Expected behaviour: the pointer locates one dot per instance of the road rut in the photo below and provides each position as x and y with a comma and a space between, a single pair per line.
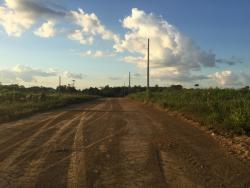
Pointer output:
114, 143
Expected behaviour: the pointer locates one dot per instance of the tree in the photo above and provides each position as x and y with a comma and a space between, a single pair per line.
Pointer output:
196, 85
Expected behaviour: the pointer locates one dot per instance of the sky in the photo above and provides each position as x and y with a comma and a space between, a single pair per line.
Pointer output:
98, 42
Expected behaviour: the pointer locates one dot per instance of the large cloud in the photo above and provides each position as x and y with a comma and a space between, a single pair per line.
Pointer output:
91, 25
227, 78
17, 16
29, 74
24, 73
44, 8
172, 53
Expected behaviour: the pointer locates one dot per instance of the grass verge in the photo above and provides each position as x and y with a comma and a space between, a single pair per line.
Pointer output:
21, 107
221, 109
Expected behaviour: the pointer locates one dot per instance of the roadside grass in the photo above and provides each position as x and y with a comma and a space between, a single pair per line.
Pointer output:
221, 109
22, 104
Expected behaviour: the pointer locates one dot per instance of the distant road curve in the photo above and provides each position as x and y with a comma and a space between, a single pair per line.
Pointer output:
113, 142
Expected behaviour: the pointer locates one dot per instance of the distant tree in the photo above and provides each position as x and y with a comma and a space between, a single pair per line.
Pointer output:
245, 88
196, 85
108, 91
66, 89
177, 87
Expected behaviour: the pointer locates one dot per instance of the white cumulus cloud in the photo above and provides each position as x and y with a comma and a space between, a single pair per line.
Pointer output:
170, 49
47, 30
91, 25
24, 73
78, 35
17, 16
15, 22
29, 74
226, 78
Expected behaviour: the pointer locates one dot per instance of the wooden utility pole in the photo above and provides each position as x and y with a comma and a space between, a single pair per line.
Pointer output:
60, 81
59, 84
129, 82
129, 79
148, 71
124, 89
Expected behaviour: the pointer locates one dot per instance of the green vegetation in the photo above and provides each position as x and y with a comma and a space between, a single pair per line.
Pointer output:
108, 91
216, 108
17, 101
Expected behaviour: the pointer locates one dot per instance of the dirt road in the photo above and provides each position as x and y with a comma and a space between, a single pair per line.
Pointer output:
113, 143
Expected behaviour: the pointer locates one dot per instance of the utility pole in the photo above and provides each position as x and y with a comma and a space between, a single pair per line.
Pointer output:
60, 81
59, 84
124, 89
148, 72
129, 80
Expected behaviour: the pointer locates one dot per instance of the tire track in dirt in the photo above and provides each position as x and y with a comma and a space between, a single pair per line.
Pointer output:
45, 130
47, 156
139, 163
173, 172
68, 156
118, 143
176, 166
20, 135
5, 164
77, 169
11, 165
60, 159
136, 163
189, 157
13, 131
10, 168
27, 131
30, 129
102, 148
32, 172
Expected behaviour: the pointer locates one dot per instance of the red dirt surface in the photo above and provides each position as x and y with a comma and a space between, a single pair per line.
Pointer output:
114, 143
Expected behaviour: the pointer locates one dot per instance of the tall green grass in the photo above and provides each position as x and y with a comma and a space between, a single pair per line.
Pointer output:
20, 104
216, 108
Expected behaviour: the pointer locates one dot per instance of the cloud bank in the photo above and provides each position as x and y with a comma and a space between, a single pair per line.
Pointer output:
17, 16
229, 78
173, 56
29, 74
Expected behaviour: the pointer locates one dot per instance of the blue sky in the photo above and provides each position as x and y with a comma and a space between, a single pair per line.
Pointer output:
193, 41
